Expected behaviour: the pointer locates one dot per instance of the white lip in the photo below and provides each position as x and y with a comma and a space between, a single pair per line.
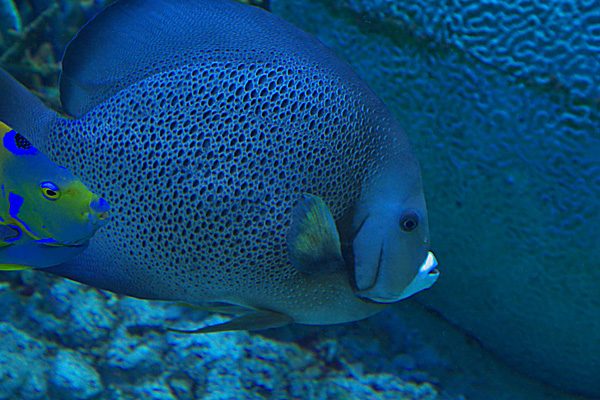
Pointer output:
430, 264
426, 277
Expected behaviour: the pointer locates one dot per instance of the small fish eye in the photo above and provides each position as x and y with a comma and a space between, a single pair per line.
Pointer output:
409, 221
50, 191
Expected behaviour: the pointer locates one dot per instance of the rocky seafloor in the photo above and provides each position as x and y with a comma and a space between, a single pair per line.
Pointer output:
64, 340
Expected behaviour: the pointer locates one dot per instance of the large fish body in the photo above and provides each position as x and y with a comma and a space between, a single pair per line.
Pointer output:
202, 123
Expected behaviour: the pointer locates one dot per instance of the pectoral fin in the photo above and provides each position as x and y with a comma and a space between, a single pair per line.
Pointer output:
252, 321
313, 240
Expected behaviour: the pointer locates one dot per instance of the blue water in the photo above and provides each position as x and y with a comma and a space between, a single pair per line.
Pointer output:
501, 104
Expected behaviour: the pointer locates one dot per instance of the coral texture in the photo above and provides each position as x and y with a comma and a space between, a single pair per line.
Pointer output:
501, 102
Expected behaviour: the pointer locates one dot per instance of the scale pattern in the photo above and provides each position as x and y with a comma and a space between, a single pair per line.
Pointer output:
203, 164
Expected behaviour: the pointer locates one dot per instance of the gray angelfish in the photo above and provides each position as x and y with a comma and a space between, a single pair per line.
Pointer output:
218, 132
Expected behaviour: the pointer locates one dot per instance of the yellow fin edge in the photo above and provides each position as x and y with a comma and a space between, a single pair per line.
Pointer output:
13, 267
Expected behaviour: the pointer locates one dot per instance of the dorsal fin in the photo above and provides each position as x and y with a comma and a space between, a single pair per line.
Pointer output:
131, 40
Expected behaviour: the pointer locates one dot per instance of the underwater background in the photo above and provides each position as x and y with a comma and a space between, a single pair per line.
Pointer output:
501, 102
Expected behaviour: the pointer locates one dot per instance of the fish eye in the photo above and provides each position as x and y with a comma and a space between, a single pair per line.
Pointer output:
409, 221
50, 191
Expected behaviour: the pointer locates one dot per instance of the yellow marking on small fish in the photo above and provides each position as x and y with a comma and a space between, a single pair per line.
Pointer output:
13, 267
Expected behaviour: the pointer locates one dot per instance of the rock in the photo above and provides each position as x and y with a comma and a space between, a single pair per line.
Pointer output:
73, 378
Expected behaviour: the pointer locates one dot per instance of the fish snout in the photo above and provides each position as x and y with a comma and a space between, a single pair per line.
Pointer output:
98, 211
427, 275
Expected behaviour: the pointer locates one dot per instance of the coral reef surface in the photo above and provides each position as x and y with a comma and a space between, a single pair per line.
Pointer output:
501, 102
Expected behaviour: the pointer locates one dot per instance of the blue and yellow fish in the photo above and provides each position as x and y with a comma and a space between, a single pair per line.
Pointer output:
47, 215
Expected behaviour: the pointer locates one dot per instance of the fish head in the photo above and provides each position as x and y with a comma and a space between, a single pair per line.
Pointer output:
391, 248
65, 211
43, 201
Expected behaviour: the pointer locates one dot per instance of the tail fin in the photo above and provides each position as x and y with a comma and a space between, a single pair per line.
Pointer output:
22, 111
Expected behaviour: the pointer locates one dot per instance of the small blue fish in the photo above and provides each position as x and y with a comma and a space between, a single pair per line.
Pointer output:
47, 216
249, 169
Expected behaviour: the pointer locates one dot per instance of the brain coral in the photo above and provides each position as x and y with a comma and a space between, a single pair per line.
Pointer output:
501, 100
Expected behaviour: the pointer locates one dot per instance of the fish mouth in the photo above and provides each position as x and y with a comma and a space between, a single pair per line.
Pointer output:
428, 274
97, 215
98, 211
429, 266
98, 219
